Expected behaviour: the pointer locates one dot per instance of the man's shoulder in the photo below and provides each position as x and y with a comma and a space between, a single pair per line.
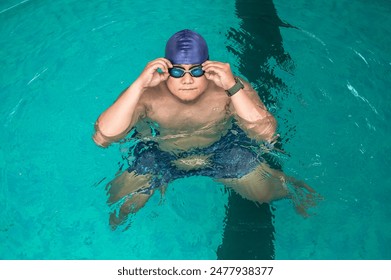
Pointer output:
156, 99
215, 92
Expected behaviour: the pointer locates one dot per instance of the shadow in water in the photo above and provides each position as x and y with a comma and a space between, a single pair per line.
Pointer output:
249, 230
257, 44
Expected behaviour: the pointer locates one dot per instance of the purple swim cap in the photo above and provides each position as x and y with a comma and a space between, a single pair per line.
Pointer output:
186, 47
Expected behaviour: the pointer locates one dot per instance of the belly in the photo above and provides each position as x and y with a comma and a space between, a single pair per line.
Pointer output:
181, 142
179, 139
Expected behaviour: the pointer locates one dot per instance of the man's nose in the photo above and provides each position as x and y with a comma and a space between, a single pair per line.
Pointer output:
187, 78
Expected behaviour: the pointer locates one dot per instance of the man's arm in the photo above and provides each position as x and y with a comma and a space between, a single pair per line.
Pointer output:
251, 113
114, 123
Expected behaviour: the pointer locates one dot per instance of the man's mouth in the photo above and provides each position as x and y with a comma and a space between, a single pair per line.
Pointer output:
188, 88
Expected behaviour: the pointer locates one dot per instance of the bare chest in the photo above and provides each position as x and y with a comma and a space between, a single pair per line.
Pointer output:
189, 117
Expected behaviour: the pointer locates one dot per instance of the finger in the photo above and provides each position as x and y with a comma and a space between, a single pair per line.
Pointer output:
155, 65
161, 60
164, 77
209, 62
215, 64
225, 67
165, 61
208, 75
213, 77
214, 69
169, 64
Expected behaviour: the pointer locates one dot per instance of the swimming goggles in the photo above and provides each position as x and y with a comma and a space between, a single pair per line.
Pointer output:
178, 72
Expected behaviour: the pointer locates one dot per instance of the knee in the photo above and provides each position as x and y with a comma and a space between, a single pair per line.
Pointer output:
256, 194
263, 196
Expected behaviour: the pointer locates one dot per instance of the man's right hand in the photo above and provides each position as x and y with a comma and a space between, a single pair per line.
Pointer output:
150, 77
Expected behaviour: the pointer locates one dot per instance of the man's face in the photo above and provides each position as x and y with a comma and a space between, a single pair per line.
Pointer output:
187, 88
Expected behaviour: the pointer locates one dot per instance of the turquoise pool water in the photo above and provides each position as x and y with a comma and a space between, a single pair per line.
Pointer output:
326, 78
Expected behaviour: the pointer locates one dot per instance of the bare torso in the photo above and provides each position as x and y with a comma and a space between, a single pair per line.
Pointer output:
183, 126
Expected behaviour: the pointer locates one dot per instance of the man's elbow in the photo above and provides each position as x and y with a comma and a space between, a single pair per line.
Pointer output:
273, 126
99, 140
269, 132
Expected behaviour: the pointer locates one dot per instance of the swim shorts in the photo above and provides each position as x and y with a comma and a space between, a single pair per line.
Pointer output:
233, 156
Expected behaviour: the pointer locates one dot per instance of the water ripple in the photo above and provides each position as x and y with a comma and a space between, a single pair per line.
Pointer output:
103, 26
14, 6
361, 56
36, 76
13, 112
355, 93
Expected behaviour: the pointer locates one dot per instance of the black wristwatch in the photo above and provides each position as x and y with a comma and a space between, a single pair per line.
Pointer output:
237, 86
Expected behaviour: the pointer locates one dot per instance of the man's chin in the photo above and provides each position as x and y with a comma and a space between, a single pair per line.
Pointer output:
188, 99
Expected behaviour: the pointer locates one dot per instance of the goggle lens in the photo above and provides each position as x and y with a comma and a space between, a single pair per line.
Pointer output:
177, 72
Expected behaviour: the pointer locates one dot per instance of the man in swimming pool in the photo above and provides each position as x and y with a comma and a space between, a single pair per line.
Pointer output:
191, 102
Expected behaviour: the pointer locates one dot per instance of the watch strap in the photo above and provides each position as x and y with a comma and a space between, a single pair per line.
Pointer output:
237, 86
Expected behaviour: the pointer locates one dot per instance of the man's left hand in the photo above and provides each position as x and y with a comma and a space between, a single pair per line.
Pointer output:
220, 73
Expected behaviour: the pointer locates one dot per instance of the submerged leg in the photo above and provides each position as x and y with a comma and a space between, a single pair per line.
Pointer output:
130, 206
265, 184
125, 184
128, 185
